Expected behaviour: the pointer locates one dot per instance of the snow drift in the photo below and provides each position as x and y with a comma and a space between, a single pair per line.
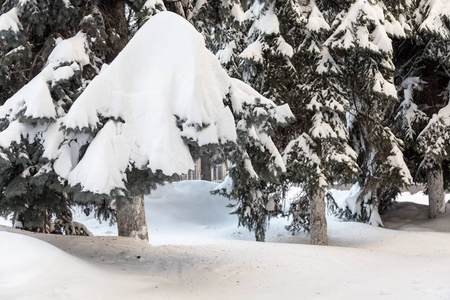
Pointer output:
33, 269
201, 255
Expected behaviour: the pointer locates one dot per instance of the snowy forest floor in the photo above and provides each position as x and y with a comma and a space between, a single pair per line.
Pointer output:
196, 251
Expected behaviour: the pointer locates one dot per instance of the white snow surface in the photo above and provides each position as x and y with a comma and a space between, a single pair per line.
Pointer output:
10, 21
196, 252
268, 22
316, 21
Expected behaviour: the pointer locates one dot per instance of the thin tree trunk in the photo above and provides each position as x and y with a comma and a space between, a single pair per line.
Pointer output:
318, 219
131, 218
436, 197
260, 231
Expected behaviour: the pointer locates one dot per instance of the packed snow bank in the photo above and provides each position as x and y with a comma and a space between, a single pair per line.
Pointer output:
370, 263
33, 269
186, 213
202, 255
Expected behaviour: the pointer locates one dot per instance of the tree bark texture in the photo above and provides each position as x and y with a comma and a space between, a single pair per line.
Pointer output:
436, 196
181, 7
131, 218
318, 219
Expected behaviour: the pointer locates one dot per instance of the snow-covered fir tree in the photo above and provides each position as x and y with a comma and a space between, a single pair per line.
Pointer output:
222, 25
279, 43
28, 121
427, 88
256, 164
250, 47
362, 49
55, 48
320, 155
125, 134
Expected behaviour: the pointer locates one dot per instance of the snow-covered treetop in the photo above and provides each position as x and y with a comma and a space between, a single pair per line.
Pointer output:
434, 16
153, 67
316, 21
164, 88
362, 26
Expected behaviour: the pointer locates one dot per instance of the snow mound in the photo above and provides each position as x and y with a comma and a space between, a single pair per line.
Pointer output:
197, 215
202, 256
33, 269
189, 202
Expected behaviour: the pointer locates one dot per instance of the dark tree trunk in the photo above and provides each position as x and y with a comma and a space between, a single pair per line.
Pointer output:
260, 231
116, 26
131, 218
436, 196
181, 7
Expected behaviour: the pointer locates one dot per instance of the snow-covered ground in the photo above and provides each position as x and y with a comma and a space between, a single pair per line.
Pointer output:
196, 251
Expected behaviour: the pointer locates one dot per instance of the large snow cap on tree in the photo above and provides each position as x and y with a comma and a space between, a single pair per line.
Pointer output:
165, 85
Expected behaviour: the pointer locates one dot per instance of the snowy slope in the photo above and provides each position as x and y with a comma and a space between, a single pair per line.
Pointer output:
196, 252
32, 269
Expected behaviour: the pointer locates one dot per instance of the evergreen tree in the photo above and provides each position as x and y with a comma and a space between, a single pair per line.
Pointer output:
427, 74
222, 25
320, 155
269, 63
54, 77
127, 127
250, 47
362, 49
28, 122
256, 165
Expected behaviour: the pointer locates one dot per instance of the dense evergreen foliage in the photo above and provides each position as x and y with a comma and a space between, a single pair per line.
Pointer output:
351, 72
49, 52
56, 63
